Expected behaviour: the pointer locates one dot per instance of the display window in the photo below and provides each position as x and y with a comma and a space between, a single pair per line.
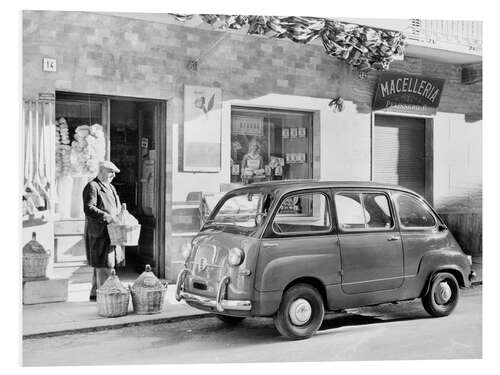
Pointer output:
268, 145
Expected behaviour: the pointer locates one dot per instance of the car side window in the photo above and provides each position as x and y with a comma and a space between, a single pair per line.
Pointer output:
303, 213
363, 211
414, 213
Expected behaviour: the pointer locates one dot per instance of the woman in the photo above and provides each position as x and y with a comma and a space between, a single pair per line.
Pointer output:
252, 165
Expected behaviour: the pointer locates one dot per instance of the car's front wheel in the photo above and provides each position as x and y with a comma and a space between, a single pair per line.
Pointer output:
442, 296
300, 313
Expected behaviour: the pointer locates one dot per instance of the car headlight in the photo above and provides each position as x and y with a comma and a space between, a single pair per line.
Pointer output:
236, 256
186, 249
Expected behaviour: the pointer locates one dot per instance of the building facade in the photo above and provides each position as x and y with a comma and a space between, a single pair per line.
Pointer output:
132, 76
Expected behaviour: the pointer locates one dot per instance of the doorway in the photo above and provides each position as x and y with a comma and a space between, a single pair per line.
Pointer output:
135, 142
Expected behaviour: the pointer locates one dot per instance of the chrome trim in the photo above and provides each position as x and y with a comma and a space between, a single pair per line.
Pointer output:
180, 283
221, 291
219, 303
225, 304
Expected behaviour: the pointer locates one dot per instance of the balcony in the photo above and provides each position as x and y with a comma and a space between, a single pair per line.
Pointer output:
459, 42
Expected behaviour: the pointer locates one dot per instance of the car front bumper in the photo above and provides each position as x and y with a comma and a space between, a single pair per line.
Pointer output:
219, 303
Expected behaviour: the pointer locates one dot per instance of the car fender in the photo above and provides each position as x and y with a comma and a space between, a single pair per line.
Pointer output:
443, 260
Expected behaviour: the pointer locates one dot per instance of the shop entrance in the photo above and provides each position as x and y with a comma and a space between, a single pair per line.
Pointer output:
131, 134
401, 152
133, 149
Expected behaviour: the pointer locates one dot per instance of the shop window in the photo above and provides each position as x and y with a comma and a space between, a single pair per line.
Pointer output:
268, 145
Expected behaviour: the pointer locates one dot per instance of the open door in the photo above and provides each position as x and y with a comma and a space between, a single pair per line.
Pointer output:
148, 213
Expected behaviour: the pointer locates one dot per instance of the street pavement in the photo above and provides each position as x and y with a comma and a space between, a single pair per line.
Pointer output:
400, 331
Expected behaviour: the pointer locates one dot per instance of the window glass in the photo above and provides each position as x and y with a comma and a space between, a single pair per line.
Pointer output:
377, 208
268, 145
301, 213
414, 213
350, 210
363, 210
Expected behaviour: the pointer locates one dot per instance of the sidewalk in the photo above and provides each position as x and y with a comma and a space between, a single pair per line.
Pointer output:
80, 315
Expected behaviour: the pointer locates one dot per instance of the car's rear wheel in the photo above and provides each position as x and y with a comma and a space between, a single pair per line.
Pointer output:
300, 313
231, 320
442, 296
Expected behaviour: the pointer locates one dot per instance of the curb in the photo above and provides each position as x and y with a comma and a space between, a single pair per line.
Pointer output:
114, 326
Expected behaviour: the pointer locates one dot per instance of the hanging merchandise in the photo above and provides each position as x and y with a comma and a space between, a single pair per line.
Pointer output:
87, 150
363, 47
63, 149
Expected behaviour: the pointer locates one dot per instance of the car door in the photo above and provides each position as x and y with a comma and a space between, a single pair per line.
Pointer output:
370, 244
300, 241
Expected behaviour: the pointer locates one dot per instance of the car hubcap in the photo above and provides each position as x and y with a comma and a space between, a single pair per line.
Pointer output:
443, 293
300, 312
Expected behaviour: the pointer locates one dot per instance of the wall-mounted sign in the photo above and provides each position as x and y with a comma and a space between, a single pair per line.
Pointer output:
49, 65
407, 93
202, 128
248, 126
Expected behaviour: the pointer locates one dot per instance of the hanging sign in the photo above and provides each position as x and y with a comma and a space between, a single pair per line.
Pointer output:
402, 92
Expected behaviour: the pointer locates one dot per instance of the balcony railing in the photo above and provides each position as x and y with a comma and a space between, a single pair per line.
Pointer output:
457, 36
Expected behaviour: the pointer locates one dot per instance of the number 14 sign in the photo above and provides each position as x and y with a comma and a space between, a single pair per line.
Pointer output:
49, 65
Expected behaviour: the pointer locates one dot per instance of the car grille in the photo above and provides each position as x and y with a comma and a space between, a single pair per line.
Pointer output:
209, 262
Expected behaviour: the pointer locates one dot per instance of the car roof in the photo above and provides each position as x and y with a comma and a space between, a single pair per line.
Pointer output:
292, 185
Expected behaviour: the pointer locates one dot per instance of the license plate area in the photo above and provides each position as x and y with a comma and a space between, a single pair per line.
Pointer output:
200, 286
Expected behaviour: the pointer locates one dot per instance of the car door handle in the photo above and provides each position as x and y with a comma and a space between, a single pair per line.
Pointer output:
394, 238
270, 244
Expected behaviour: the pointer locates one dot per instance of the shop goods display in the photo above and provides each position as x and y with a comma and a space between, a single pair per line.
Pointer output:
63, 149
360, 46
87, 149
112, 297
35, 259
148, 293
126, 230
36, 186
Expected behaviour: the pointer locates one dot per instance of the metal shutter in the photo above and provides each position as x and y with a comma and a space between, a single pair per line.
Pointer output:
399, 151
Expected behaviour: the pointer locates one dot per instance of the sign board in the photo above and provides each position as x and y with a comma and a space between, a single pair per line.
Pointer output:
248, 126
49, 65
202, 129
402, 92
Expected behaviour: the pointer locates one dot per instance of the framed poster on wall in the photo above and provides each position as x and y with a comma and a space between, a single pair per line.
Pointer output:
202, 129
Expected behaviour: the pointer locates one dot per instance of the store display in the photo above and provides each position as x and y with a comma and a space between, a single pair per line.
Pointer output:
302, 132
87, 150
293, 133
148, 293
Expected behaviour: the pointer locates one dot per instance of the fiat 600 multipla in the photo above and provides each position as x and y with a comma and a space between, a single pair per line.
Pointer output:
293, 250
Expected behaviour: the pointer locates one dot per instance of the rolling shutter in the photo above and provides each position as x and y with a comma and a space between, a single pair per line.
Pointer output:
399, 151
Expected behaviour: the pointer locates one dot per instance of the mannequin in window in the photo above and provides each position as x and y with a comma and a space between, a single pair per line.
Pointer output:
252, 165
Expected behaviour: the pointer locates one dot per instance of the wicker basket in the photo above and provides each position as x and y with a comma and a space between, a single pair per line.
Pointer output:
124, 235
35, 265
148, 293
35, 259
112, 298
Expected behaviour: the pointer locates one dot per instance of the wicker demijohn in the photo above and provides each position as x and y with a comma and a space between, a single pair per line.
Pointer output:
112, 297
35, 259
148, 293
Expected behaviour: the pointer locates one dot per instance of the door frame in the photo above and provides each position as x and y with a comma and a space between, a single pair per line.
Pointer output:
160, 138
428, 148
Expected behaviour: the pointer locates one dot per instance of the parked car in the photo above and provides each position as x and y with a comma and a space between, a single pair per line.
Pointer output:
293, 250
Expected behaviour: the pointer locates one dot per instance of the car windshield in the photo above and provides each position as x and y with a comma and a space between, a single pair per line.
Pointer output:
242, 214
